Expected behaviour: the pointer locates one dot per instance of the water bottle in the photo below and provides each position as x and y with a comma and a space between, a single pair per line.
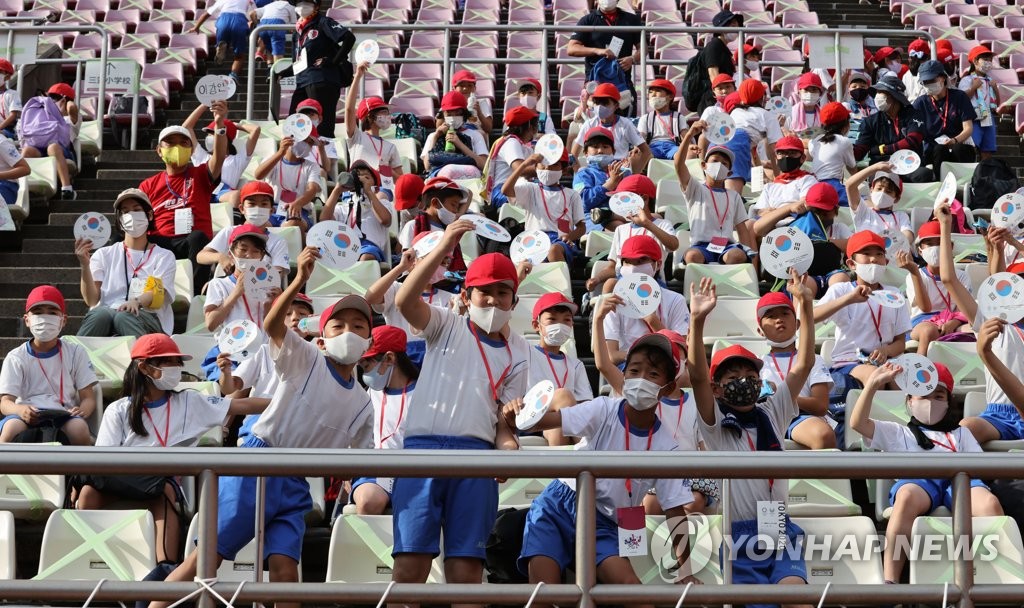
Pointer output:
309, 326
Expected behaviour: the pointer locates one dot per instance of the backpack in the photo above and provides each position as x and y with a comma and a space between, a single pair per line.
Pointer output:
42, 124
407, 125
504, 544
676, 127
695, 83
609, 70
992, 179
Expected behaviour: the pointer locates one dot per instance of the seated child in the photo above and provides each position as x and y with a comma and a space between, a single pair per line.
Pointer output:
256, 201
226, 298
662, 126
549, 206
296, 180
792, 183
933, 312
366, 210
878, 214
601, 175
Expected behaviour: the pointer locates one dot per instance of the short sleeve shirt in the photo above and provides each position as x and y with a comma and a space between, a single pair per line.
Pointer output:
945, 116
864, 326
602, 38
713, 213
38, 378
190, 189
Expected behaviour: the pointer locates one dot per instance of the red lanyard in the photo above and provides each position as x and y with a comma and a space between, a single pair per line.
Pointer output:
650, 329
487, 366
720, 218
896, 126
938, 288
378, 151
398, 423
945, 110
167, 423
650, 437
565, 205
679, 414
178, 197
554, 374
248, 312
60, 356
128, 260
789, 368
885, 221
668, 126
430, 300
750, 442
877, 321
951, 446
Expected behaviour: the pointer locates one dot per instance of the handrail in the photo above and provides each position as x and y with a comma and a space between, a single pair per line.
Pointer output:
545, 61
209, 464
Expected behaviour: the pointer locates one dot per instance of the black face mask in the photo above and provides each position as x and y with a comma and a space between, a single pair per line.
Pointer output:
742, 391
859, 95
788, 164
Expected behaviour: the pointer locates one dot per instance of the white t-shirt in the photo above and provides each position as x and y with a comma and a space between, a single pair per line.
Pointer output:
602, 422
565, 371
623, 130
855, 324
627, 231
759, 125
228, 6
293, 178
183, 416
389, 409
279, 9
505, 152
9, 155
712, 213
1008, 347
680, 416
10, 101
116, 268
938, 296
217, 290
277, 247
914, 87
781, 409
358, 213
889, 226
894, 437
546, 205
1011, 255
392, 316
257, 373
374, 151
37, 378
233, 167
477, 144
668, 126
673, 312
831, 160
776, 370
313, 406
777, 194
454, 394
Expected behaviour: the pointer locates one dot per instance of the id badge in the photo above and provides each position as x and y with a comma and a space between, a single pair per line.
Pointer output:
718, 244
387, 182
632, 523
182, 221
771, 519
757, 179
136, 288
986, 120
300, 64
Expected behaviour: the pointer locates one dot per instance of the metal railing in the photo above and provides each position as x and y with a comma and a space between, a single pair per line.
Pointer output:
545, 61
209, 464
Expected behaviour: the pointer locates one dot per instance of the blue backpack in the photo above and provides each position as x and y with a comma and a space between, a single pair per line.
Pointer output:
609, 70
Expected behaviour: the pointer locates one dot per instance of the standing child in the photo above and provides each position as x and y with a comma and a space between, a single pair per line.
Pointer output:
933, 428
226, 300
256, 201
549, 207
278, 12
366, 210
364, 123
662, 126
37, 387
805, 119
473, 365
232, 31
735, 417
985, 98
832, 151
877, 214
933, 312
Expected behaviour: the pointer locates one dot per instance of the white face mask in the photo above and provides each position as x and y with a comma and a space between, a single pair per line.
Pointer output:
548, 177
301, 149
931, 256
605, 111
628, 269
453, 122
933, 89
346, 348
881, 102
607, 5
557, 334
881, 200
304, 9
871, 273
170, 377
809, 98
446, 216
658, 102
782, 344
210, 142
716, 172
640, 393
383, 121
529, 101
894, 67
134, 223
927, 411
257, 216
984, 66
489, 319
438, 275
44, 328
376, 380
752, 64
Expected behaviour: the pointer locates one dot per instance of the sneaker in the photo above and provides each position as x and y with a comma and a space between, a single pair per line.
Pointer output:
222, 52
68, 195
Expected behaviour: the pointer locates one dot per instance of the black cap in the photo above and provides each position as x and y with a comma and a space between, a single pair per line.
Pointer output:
723, 18
894, 87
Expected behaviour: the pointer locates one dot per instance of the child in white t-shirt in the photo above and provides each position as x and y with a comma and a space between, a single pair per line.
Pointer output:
662, 127
256, 201
12, 167
934, 427
365, 120
296, 180
878, 213
832, 151
278, 12
549, 206
366, 210
791, 184
227, 298
46, 380
933, 312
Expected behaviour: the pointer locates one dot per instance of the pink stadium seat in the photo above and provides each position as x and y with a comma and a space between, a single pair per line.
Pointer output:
566, 17
487, 40
176, 16
404, 5
158, 90
58, 6
144, 6
746, 6
426, 40
149, 43
186, 58
136, 55
1001, 76
790, 55
759, 19
483, 5
435, 15
579, 6
173, 73
526, 15
190, 41
969, 23
1017, 63
476, 52
923, 20
189, 6
100, 6
163, 30
1010, 95
485, 88
1005, 48
80, 17
956, 10
422, 107
1000, 12
11, 7
1014, 23
517, 71
794, 18
702, 16
525, 40
781, 7
570, 87
420, 71
480, 15
483, 71
659, 5
985, 5
910, 10
346, 14
1018, 119
90, 40
417, 88
985, 35
389, 15
962, 46
664, 18
568, 107
679, 55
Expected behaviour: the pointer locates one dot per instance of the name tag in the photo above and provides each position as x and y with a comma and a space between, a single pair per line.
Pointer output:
771, 520
757, 179
632, 522
183, 221
718, 244
300, 64
135, 289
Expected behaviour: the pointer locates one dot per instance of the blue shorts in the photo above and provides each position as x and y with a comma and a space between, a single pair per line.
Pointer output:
714, 258
69, 152
247, 423
984, 137
276, 220
367, 247
360, 481
233, 28
568, 249
1006, 419
497, 198
796, 422
57, 422
551, 529
9, 191
274, 39
840, 189
665, 149
940, 491
740, 147
753, 564
821, 280
287, 502
464, 508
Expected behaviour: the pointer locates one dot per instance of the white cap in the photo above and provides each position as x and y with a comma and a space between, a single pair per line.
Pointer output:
174, 130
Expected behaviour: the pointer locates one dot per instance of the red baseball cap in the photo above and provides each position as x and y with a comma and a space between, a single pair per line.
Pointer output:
353, 302
439, 182
867, 56
256, 188
533, 82
492, 268
770, 300
722, 79
862, 240
884, 52
386, 339
731, 101
408, 190
606, 90
809, 79
310, 104
834, 113
661, 342
945, 376
463, 76
369, 105
519, 115
453, 100
362, 164
64, 90
638, 184
748, 49
661, 83
554, 299
675, 338
640, 246
918, 48
790, 142
6, 67
247, 230
751, 91
45, 294
229, 126
301, 298
928, 230
598, 132
1016, 268
943, 54
978, 51
733, 352
157, 346
822, 196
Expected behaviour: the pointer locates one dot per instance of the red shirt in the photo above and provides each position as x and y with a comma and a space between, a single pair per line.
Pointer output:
192, 189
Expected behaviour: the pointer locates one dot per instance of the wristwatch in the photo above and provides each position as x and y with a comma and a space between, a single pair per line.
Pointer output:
221, 131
